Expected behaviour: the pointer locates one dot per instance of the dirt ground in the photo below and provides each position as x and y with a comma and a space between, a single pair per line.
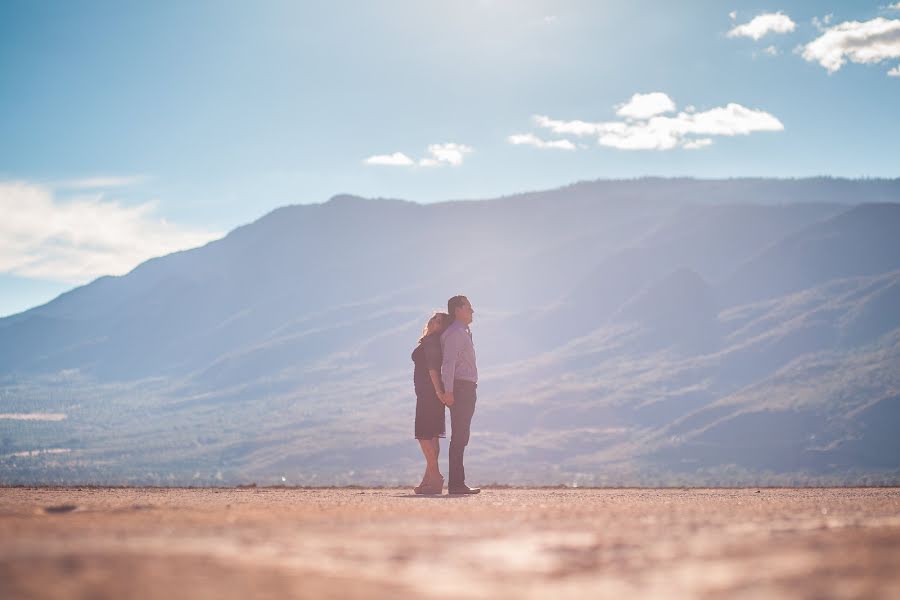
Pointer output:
504, 543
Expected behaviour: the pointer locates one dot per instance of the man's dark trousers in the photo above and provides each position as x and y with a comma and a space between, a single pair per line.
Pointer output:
460, 421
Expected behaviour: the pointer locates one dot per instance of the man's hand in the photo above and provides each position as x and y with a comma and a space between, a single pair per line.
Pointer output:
448, 398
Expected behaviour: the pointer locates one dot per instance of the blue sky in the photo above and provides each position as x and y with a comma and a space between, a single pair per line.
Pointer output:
129, 130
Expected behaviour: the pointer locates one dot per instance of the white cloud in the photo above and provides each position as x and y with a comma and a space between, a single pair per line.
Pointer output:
763, 24
654, 134
567, 127
895, 72
644, 106
894, 6
770, 50
697, 143
529, 139
397, 159
101, 182
732, 119
78, 240
732, 15
440, 154
449, 153
860, 42
687, 129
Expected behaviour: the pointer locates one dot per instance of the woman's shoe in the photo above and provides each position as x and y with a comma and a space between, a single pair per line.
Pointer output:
430, 487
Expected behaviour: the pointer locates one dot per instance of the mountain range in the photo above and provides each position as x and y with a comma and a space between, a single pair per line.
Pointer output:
643, 332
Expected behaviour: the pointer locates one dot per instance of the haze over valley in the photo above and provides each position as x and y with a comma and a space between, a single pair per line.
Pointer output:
640, 332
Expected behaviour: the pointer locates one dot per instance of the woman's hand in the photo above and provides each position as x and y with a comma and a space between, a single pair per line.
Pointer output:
438, 385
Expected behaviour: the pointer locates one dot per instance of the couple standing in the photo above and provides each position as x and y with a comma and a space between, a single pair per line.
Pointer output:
445, 375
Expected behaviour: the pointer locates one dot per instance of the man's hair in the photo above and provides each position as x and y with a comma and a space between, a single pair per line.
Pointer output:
454, 303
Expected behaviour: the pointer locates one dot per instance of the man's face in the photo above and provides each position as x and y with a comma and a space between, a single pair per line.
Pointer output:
464, 313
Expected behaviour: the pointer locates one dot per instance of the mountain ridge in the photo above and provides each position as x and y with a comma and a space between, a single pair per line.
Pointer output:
614, 323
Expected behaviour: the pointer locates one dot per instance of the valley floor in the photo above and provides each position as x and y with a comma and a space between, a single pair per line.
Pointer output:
383, 543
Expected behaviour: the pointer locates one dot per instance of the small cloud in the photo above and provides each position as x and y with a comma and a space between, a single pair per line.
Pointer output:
441, 154
895, 72
859, 42
644, 106
894, 6
697, 144
732, 15
729, 120
764, 24
567, 127
397, 159
450, 153
770, 50
822, 23
529, 139
101, 182
551, 19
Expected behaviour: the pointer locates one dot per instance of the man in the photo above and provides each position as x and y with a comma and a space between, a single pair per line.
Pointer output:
460, 377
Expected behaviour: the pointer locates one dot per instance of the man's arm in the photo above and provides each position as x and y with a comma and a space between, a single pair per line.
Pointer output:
452, 345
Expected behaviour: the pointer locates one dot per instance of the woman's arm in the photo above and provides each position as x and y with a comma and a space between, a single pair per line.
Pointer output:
436, 382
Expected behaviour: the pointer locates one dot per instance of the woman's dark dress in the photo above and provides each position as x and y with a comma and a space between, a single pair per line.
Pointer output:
430, 421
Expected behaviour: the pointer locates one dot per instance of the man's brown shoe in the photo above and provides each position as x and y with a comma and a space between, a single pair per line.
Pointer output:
463, 490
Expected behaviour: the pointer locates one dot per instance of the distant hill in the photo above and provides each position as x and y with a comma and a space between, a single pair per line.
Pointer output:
650, 331
861, 241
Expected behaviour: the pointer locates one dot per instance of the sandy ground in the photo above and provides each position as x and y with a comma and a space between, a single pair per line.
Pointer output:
503, 543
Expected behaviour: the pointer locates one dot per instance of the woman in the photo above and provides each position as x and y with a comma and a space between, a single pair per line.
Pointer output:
429, 401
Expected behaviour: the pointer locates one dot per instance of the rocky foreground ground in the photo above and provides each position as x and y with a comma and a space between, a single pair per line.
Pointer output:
504, 543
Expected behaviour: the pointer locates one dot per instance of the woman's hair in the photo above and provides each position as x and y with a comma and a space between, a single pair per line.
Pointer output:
438, 318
